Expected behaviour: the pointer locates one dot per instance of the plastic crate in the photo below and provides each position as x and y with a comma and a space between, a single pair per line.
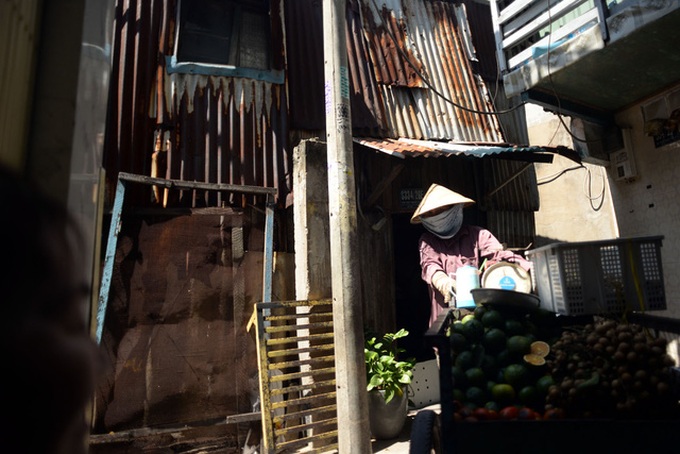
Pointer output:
596, 277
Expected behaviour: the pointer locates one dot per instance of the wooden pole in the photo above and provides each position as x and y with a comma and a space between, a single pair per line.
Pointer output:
352, 398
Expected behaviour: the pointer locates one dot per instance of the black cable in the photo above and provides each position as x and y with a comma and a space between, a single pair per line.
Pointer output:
555, 177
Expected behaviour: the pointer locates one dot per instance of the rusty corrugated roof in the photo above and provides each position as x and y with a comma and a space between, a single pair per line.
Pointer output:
409, 64
404, 148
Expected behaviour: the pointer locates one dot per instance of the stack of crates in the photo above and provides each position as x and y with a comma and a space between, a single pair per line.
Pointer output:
599, 277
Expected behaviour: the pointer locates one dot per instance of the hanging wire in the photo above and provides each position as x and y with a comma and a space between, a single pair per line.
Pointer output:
587, 189
554, 177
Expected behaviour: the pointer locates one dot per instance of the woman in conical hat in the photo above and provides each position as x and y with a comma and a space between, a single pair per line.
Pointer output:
448, 244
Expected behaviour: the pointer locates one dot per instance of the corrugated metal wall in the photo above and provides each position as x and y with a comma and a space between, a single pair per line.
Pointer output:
212, 129
409, 61
408, 65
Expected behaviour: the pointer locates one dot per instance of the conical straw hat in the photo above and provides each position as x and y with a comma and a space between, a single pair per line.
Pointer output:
436, 197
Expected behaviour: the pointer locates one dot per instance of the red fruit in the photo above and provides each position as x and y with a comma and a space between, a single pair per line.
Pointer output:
481, 414
492, 415
466, 412
525, 413
554, 413
510, 412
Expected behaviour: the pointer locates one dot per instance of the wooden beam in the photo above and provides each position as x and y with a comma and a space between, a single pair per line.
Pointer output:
382, 185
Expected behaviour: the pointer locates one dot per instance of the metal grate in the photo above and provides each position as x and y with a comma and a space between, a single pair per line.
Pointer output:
296, 355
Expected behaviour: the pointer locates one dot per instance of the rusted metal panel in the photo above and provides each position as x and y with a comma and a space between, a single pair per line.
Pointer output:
175, 338
454, 104
221, 129
407, 66
403, 148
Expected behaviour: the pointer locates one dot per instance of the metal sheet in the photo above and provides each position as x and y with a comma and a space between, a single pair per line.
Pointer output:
403, 148
408, 66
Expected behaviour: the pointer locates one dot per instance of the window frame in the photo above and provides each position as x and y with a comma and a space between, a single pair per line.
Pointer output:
174, 66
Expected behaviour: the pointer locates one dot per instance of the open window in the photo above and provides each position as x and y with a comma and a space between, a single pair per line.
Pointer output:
225, 37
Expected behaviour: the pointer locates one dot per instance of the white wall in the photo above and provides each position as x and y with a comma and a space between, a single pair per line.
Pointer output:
650, 205
576, 201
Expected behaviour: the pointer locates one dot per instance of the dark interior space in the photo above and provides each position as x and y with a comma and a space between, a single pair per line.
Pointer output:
412, 305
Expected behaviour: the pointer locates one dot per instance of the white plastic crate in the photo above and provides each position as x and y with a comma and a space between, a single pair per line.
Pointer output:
596, 277
425, 384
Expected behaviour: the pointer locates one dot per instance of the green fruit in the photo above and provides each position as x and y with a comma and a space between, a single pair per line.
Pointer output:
519, 345
467, 318
504, 394
475, 395
494, 340
459, 378
513, 327
479, 312
458, 342
503, 358
517, 375
457, 327
473, 330
489, 365
475, 376
528, 396
491, 405
544, 383
464, 360
493, 319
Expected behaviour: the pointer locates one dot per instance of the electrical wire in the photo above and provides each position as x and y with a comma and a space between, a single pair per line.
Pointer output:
587, 189
554, 177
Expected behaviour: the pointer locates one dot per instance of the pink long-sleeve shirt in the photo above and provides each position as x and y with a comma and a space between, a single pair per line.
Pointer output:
470, 246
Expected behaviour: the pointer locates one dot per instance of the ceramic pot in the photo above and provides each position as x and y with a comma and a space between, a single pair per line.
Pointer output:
387, 419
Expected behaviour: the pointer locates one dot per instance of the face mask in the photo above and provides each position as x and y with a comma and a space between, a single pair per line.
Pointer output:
445, 224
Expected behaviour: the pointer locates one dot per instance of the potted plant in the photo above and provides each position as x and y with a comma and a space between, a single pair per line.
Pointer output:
387, 377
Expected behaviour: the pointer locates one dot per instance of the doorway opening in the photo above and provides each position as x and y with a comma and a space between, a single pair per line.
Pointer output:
411, 294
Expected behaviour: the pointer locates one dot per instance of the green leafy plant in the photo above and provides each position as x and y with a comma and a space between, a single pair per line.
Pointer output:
384, 369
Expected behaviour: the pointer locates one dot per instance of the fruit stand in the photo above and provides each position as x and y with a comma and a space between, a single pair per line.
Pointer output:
518, 376
589, 422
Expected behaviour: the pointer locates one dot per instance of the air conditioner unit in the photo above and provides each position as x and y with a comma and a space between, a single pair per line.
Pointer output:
589, 142
622, 161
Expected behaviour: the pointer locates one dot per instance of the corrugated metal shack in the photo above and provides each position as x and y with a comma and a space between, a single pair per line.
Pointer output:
182, 290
